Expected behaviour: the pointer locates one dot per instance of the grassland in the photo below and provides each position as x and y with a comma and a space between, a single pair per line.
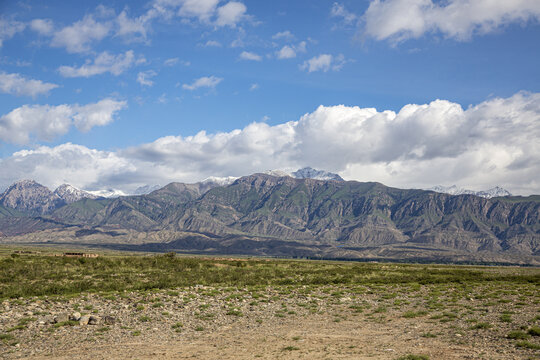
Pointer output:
268, 308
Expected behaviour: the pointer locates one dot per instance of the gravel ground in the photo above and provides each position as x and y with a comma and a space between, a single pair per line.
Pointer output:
327, 322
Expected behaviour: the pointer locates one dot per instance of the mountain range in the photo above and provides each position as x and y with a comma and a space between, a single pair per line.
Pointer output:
265, 214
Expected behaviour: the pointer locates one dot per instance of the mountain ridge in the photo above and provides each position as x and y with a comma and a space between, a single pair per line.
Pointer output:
325, 216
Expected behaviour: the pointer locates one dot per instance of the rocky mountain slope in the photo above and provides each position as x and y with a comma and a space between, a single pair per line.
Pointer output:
281, 215
29, 196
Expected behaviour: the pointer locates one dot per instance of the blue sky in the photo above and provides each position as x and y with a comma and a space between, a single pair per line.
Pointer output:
122, 94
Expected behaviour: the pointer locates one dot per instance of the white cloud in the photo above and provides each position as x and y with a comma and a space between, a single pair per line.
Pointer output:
202, 9
42, 26
20, 86
398, 20
144, 77
246, 55
134, 29
230, 14
324, 62
208, 12
286, 52
104, 62
203, 82
286, 35
254, 87
171, 62
67, 163
492, 143
338, 10
46, 122
290, 51
8, 29
77, 37
212, 43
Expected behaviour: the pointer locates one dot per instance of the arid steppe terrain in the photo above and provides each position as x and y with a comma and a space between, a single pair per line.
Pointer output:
172, 307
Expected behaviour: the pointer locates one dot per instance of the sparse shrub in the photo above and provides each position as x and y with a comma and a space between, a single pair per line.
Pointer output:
414, 357
481, 325
66, 323
517, 335
6, 337
290, 348
534, 331
234, 312
528, 345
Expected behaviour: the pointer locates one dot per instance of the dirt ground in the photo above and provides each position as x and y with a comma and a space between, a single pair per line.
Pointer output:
201, 323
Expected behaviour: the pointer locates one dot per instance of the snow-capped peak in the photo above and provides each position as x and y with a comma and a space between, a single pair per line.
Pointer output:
494, 192
310, 173
454, 190
71, 194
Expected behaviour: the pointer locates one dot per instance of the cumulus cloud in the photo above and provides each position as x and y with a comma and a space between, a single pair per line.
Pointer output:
46, 122
104, 62
205, 11
246, 55
144, 77
203, 82
492, 143
171, 62
76, 38
8, 29
42, 26
19, 85
398, 20
202, 9
134, 29
212, 43
67, 163
290, 51
338, 10
324, 62
286, 35
286, 52
230, 14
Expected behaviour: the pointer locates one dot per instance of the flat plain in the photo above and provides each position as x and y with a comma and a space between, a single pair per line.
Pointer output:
174, 307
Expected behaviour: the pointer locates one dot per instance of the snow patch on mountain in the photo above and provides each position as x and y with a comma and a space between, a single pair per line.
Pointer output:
454, 190
310, 173
71, 194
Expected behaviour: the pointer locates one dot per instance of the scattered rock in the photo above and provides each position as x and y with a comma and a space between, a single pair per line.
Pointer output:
76, 316
109, 320
84, 320
94, 320
63, 317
